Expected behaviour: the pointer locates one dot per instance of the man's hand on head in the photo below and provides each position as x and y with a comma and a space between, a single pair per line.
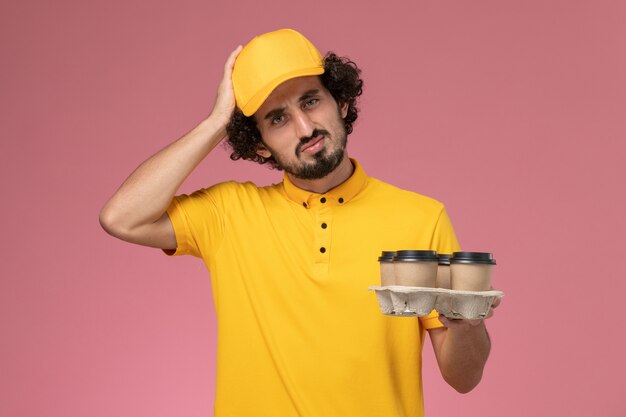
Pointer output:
225, 99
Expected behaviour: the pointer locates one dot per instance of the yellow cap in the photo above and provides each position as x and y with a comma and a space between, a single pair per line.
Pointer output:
268, 61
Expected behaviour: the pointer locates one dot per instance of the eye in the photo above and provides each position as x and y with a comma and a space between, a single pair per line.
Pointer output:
311, 102
277, 119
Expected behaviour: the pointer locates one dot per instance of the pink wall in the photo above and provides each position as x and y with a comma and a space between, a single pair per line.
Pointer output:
512, 113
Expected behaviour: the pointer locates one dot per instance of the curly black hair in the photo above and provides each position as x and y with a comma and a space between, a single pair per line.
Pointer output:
341, 78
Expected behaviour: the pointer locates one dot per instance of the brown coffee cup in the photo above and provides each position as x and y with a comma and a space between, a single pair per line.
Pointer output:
387, 274
416, 268
443, 271
471, 271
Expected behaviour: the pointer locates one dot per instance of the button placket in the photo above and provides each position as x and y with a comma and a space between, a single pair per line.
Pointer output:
322, 233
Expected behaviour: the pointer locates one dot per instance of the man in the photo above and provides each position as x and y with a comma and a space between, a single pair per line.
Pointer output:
298, 334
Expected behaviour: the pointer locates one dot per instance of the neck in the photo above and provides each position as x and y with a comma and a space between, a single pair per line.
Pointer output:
330, 181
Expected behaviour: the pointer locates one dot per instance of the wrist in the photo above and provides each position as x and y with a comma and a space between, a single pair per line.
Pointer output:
213, 127
218, 120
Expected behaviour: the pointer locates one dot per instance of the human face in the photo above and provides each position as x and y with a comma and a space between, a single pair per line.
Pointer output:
302, 127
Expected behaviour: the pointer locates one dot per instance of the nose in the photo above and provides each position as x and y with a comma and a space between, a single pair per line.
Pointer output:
303, 123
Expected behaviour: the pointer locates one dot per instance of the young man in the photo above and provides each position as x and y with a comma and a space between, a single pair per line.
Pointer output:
299, 334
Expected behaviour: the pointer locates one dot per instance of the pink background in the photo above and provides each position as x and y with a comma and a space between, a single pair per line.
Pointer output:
511, 113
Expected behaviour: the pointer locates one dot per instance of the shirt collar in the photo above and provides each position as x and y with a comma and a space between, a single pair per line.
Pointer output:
339, 195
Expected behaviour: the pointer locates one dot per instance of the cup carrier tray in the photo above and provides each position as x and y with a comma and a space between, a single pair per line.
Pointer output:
402, 301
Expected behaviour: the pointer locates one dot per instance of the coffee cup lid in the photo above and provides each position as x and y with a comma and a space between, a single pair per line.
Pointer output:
416, 255
472, 258
444, 259
386, 256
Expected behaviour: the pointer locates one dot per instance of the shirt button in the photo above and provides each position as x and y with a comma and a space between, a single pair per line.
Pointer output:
340, 200
323, 200
322, 249
304, 204
324, 225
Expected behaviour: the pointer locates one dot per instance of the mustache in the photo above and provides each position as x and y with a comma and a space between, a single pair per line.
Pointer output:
306, 139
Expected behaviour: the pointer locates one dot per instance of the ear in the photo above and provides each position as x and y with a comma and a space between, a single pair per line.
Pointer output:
343, 109
261, 150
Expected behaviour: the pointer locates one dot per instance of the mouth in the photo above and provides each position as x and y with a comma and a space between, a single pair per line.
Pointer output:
314, 145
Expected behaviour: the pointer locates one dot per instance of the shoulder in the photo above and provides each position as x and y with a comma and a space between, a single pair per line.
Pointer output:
402, 198
234, 188
230, 192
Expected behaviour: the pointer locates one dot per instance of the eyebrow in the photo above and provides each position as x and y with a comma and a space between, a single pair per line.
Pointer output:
308, 94
274, 113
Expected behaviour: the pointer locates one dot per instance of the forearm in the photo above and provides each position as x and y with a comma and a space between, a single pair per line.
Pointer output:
148, 191
463, 354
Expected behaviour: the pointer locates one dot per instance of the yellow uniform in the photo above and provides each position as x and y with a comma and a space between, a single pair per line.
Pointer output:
299, 334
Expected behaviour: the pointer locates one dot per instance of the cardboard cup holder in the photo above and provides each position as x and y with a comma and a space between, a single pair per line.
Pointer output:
402, 301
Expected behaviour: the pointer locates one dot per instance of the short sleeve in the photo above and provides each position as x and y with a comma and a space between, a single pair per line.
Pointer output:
198, 222
431, 321
444, 238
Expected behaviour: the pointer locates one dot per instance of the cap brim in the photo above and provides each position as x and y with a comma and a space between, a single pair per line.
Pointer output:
257, 101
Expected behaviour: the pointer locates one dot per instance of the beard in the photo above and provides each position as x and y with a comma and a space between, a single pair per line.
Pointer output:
324, 162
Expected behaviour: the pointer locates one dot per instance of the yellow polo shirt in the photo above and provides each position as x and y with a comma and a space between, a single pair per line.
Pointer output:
299, 334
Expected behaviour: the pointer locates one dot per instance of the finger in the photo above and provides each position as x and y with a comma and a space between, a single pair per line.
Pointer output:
226, 83
231, 58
